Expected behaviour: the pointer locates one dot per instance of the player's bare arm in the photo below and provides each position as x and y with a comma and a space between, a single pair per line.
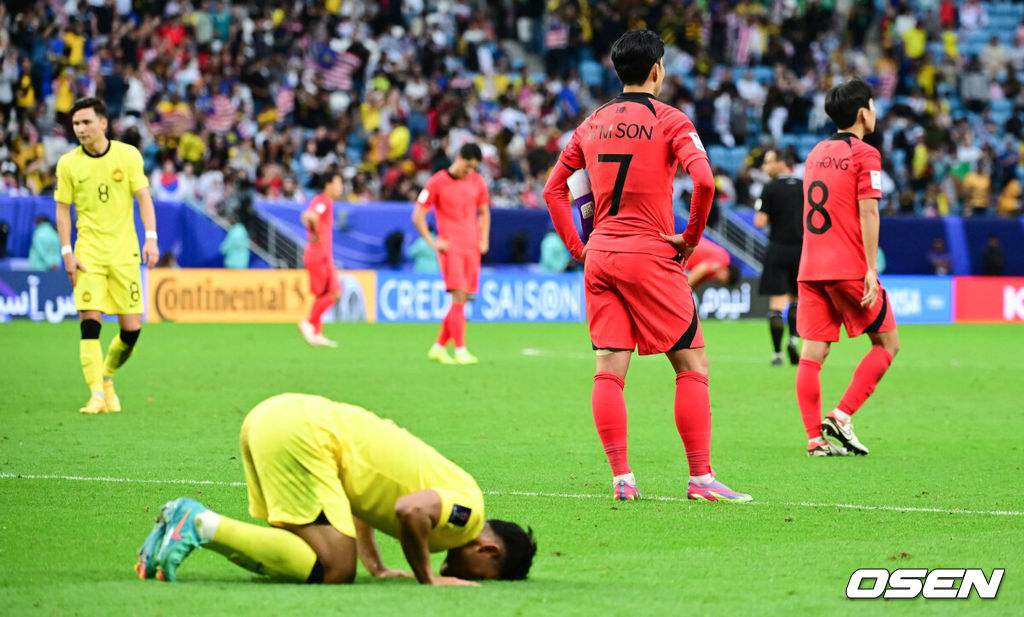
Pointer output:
71, 263
417, 514
309, 221
484, 225
869, 223
369, 554
419, 219
150, 251
761, 220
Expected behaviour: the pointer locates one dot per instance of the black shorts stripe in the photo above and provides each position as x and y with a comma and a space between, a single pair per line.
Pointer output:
877, 323
686, 339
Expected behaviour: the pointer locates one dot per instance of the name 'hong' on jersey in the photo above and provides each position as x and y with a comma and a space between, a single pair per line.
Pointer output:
838, 173
630, 148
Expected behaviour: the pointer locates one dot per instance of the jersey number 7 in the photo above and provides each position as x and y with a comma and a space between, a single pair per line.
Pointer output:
620, 178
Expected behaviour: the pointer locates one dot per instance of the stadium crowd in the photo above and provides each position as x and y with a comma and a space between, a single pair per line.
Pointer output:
223, 97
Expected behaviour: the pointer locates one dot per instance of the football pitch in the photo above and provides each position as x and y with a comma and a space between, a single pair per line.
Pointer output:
942, 487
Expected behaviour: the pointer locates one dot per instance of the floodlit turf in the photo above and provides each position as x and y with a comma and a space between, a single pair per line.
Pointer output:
944, 430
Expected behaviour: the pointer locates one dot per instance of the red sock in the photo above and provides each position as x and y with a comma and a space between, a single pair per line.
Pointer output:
693, 420
319, 308
869, 372
808, 396
610, 419
456, 319
443, 336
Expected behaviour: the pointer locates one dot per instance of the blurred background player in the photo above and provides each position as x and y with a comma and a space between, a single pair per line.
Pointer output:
781, 207
325, 475
461, 204
100, 177
710, 262
637, 294
318, 257
838, 278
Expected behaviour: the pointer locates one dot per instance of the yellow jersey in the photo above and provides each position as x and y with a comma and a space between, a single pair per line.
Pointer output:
379, 462
102, 188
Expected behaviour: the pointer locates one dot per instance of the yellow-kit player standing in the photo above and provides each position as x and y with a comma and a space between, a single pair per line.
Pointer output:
100, 177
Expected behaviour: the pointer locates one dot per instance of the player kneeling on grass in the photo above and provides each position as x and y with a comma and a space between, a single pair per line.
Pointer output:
325, 475
838, 276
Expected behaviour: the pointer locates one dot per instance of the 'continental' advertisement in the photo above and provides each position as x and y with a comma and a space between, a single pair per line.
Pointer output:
252, 296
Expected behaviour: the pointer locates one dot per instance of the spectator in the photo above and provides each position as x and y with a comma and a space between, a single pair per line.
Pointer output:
973, 15
994, 57
977, 191
10, 185
992, 259
44, 253
554, 257
1009, 203
164, 183
939, 258
424, 258
235, 247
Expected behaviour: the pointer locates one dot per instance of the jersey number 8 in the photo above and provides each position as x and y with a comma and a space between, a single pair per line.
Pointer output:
819, 207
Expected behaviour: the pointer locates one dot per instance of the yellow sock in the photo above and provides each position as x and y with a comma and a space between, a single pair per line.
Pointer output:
91, 355
117, 354
264, 550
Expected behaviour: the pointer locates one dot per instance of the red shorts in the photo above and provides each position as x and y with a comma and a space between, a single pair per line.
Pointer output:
460, 269
639, 300
323, 276
823, 305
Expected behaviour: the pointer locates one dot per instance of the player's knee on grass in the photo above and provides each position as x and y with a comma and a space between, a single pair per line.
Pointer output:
90, 329
335, 552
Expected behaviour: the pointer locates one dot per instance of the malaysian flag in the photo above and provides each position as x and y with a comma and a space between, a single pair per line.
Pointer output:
339, 75
221, 115
285, 102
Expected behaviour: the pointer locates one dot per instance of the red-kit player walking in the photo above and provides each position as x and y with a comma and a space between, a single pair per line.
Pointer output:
461, 204
838, 277
318, 257
636, 291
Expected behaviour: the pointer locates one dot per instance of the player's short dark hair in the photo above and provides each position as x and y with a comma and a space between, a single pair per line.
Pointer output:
734, 276
471, 152
843, 101
634, 53
327, 176
520, 547
90, 102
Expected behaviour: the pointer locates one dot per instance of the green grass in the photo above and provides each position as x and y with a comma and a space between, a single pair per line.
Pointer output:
944, 430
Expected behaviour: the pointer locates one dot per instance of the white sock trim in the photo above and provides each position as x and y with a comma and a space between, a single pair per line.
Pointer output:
841, 415
206, 525
626, 477
704, 480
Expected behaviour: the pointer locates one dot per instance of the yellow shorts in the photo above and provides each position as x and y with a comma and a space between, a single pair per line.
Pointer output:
114, 290
291, 470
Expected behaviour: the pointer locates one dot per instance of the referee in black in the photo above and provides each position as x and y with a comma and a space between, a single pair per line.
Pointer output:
781, 208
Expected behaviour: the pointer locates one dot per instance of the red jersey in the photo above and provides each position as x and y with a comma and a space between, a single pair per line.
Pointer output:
707, 252
322, 207
630, 148
838, 173
456, 203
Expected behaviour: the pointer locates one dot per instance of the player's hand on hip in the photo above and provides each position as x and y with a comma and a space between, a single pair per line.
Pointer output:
681, 245
150, 253
441, 245
870, 289
485, 246
72, 266
583, 255
451, 581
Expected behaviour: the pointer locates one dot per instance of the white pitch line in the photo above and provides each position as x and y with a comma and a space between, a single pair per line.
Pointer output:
802, 504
